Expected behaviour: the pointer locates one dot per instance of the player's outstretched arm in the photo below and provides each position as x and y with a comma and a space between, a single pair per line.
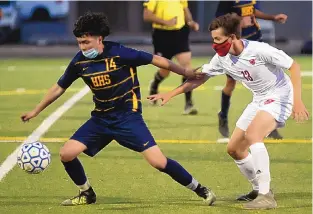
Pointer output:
164, 63
189, 85
189, 20
280, 18
53, 94
279, 58
299, 112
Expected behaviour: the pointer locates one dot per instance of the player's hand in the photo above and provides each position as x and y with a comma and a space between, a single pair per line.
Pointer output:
170, 23
193, 25
299, 112
194, 74
280, 18
164, 97
29, 115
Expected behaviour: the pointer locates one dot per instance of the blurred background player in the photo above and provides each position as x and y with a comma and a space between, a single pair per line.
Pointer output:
171, 21
249, 11
109, 69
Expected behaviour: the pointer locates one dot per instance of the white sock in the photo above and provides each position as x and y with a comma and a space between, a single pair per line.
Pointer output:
193, 185
246, 167
84, 187
262, 166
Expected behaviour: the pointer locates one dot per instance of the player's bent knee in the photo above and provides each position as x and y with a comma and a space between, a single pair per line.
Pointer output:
232, 151
230, 86
228, 91
187, 65
164, 73
71, 150
230, 83
155, 157
65, 156
236, 153
159, 164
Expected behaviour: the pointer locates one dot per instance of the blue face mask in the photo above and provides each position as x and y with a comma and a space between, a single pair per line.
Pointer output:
91, 53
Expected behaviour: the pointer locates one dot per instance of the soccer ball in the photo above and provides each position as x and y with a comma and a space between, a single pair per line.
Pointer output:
33, 157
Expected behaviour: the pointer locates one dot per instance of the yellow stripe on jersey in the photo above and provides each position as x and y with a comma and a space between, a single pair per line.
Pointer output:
117, 97
104, 110
167, 10
99, 60
253, 2
249, 35
135, 100
132, 74
102, 72
128, 100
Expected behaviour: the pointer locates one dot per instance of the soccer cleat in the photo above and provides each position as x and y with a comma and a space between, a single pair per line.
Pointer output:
223, 125
190, 110
249, 197
152, 91
261, 202
275, 135
207, 194
83, 198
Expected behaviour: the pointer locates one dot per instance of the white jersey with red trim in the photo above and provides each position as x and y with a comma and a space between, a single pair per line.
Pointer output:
260, 68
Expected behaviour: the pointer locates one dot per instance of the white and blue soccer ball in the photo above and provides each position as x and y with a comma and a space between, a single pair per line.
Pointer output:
33, 157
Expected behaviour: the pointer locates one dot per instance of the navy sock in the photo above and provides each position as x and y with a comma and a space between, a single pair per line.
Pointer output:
187, 94
177, 172
225, 103
76, 171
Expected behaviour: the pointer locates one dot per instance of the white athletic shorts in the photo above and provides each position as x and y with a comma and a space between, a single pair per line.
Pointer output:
278, 104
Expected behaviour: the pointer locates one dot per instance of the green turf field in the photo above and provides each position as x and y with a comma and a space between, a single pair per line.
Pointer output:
122, 180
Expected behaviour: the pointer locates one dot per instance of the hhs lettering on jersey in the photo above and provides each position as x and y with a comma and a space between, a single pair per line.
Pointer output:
101, 80
104, 79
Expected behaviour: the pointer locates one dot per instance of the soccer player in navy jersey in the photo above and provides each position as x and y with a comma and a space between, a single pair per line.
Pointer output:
109, 69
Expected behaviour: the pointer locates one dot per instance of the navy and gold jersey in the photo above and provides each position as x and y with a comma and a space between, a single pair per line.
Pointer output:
111, 76
244, 9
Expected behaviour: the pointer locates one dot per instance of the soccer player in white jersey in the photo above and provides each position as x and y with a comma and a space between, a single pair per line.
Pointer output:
260, 68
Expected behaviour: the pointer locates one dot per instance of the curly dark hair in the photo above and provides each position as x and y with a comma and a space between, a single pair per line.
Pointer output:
229, 22
93, 24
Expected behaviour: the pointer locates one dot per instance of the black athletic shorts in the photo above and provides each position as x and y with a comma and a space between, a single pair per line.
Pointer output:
168, 43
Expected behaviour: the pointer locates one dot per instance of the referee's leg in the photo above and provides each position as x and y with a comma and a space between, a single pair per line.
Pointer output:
159, 76
162, 41
184, 59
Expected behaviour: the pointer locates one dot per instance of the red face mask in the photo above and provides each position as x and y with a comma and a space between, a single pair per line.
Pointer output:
222, 48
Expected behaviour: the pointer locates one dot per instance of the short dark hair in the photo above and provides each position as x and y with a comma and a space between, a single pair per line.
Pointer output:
93, 24
230, 23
